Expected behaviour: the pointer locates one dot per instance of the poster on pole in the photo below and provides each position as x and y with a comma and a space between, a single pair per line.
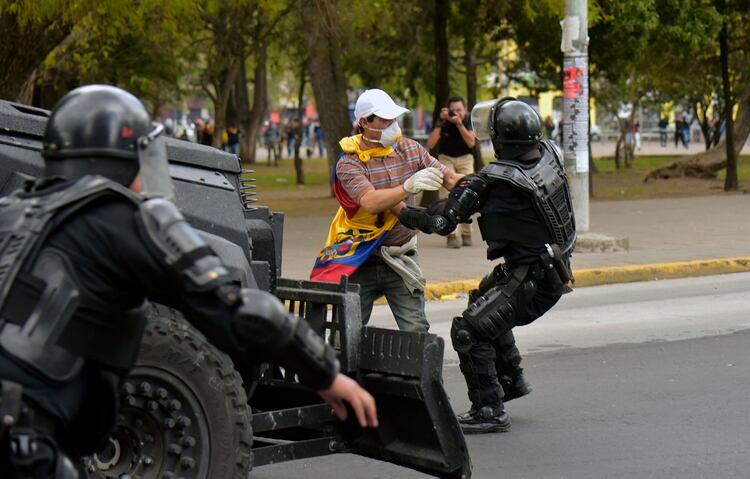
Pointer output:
575, 139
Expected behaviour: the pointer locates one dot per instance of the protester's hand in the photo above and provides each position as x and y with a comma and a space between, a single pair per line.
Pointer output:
346, 390
429, 179
455, 119
443, 114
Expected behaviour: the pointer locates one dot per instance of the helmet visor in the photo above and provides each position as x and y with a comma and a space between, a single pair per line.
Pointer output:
480, 119
152, 159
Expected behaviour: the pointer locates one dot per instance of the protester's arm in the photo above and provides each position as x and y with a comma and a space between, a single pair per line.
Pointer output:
375, 201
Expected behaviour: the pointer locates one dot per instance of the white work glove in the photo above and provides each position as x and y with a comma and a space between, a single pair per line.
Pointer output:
429, 179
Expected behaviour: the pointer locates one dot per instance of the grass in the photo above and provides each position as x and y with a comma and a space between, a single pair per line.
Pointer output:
277, 186
283, 176
627, 183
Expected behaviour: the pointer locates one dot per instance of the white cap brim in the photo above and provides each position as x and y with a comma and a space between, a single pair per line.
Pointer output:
390, 112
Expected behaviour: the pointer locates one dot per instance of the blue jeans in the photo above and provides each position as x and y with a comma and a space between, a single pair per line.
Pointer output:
377, 279
234, 148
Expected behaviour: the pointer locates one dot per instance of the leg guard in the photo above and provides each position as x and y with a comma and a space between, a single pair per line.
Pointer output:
508, 356
495, 312
477, 364
508, 366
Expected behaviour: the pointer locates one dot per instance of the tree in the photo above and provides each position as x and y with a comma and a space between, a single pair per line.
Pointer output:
734, 59
24, 23
268, 19
83, 41
322, 38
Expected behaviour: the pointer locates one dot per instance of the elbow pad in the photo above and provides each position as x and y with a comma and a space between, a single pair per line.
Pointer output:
262, 322
464, 198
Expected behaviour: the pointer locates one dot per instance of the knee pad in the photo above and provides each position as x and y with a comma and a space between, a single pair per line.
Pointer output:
491, 315
460, 336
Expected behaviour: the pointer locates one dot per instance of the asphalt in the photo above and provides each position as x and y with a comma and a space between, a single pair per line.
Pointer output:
668, 238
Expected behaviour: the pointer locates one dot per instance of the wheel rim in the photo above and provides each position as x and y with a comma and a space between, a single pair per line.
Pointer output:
162, 430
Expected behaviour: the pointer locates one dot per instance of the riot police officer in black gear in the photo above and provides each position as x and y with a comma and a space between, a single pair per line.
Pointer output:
80, 252
526, 218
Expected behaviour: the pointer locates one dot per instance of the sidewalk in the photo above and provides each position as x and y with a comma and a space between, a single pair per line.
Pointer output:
661, 232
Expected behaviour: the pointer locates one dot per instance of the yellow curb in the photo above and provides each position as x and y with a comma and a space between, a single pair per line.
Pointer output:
615, 274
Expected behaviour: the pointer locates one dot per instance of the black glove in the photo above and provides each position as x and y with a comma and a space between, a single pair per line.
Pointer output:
418, 218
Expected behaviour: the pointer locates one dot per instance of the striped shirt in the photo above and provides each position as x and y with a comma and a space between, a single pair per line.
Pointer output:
359, 178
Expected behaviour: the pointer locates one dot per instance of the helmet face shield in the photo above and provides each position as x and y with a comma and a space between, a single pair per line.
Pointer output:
154, 168
480, 119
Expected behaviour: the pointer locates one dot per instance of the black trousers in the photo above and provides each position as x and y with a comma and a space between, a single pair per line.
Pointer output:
488, 360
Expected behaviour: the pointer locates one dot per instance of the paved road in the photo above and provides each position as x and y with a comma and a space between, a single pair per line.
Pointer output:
644, 380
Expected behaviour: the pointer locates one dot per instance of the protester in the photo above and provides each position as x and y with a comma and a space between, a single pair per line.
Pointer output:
376, 175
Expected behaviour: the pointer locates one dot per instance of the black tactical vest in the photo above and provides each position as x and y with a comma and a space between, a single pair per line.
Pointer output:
38, 296
546, 183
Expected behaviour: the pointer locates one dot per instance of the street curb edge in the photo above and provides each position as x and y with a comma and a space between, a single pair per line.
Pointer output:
615, 274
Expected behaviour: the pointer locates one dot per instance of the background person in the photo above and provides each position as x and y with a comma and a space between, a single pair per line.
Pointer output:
456, 142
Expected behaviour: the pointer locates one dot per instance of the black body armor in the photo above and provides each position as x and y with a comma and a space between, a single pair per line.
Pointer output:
546, 183
38, 294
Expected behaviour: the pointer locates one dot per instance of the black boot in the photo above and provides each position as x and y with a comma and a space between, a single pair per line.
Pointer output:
484, 419
515, 386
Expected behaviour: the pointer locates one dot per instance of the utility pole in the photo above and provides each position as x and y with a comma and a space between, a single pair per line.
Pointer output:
575, 140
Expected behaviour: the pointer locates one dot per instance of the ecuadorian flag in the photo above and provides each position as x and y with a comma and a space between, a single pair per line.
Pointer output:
352, 237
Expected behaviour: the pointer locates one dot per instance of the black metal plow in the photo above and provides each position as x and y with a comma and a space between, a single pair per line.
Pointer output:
402, 370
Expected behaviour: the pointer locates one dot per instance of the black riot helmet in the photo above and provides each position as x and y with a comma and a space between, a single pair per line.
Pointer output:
104, 130
513, 126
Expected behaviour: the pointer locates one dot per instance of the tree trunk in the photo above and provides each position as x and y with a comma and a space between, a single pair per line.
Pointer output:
699, 105
224, 91
618, 149
630, 148
326, 72
470, 63
442, 80
300, 111
442, 57
251, 118
731, 181
708, 163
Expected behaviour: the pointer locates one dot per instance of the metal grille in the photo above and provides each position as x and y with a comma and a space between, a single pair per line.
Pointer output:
248, 196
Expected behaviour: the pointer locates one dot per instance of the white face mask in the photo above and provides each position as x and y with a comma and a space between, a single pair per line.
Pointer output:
388, 136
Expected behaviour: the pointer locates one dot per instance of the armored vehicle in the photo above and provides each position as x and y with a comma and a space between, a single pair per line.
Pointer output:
188, 411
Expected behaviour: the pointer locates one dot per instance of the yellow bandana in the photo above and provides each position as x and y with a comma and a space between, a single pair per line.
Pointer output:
350, 144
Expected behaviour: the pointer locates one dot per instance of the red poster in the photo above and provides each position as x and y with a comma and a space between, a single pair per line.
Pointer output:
572, 77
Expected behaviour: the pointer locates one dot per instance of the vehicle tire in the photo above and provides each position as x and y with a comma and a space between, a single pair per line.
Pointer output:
183, 410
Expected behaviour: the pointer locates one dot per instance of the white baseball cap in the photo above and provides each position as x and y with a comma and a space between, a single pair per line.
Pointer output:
377, 102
